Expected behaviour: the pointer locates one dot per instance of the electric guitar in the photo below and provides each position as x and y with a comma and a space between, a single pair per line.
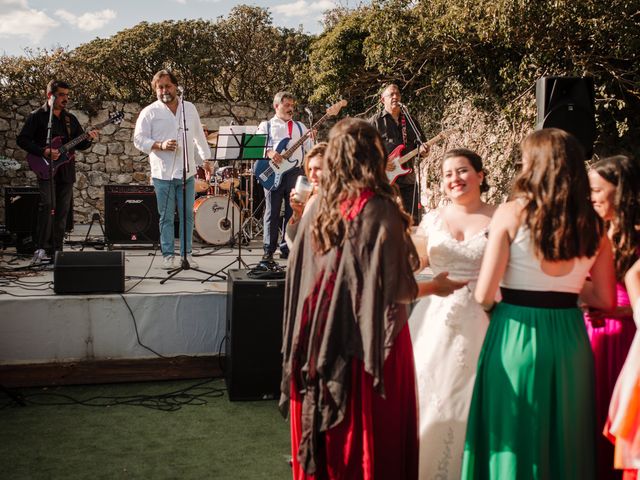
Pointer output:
398, 160
40, 164
268, 174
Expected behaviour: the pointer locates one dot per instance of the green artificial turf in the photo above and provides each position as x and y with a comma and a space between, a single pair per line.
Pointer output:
218, 439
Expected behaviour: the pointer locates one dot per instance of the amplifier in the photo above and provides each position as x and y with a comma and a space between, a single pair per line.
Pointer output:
131, 214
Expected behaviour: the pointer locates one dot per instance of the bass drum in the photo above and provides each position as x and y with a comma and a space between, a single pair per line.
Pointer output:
212, 219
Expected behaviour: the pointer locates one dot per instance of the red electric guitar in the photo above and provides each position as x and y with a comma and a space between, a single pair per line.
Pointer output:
398, 160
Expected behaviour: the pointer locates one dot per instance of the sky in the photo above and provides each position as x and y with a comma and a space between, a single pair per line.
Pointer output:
49, 24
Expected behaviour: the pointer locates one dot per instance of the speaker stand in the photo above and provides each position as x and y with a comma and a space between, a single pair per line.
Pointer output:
95, 217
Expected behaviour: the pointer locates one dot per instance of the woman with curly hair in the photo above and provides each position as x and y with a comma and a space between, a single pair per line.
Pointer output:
348, 373
614, 194
532, 412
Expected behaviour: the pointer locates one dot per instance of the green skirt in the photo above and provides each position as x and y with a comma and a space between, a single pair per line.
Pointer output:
532, 413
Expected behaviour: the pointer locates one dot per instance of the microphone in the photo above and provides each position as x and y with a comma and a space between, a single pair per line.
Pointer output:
180, 89
308, 110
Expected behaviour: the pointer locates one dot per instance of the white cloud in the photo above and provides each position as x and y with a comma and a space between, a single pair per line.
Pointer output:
87, 21
302, 8
23, 21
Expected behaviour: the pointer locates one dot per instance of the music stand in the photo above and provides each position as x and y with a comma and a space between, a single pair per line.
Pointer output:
238, 146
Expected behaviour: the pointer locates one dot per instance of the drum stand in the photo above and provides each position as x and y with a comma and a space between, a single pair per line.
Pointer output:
251, 227
235, 236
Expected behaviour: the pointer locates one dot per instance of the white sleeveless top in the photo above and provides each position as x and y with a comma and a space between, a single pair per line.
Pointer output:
524, 271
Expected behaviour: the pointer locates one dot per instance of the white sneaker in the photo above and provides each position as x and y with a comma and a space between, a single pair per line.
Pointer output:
167, 262
192, 262
40, 257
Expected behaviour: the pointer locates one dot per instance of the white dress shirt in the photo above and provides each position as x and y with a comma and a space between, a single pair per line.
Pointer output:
157, 123
279, 130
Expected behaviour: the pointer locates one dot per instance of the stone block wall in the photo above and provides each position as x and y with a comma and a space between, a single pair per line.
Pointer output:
113, 159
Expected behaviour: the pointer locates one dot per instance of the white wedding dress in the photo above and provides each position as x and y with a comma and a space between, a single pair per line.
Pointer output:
447, 335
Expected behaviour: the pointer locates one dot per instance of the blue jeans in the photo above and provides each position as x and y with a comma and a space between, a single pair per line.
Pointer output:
169, 194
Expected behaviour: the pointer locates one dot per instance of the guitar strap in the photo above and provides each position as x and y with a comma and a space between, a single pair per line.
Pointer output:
67, 123
403, 125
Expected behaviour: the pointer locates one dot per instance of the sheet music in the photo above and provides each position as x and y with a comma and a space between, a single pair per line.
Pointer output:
230, 140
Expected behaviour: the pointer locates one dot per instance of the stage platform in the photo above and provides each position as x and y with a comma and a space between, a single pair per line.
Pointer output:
152, 331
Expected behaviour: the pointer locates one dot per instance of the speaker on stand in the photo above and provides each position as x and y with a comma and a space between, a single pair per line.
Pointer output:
568, 103
131, 215
254, 330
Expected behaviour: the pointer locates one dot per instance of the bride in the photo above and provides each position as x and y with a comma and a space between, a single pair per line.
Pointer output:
448, 332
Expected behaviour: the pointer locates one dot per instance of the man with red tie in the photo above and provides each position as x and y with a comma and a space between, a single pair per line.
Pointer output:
281, 126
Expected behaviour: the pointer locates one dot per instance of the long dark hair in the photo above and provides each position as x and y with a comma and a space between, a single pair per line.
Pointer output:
355, 160
555, 189
623, 173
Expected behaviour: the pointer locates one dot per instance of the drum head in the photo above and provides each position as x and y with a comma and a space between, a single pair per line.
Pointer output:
214, 217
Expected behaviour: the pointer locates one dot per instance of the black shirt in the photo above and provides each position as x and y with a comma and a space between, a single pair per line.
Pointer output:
391, 133
33, 137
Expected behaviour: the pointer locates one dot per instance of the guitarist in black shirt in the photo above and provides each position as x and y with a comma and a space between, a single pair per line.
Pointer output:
395, 130
33, 139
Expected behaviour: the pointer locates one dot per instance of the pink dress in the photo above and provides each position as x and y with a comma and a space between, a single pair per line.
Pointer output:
623, 425
610, 344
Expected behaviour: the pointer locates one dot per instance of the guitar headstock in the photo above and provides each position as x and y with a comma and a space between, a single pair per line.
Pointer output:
336, 107
116, 117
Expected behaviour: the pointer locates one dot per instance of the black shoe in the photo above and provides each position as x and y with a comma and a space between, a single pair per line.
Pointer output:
267, 257
284, 255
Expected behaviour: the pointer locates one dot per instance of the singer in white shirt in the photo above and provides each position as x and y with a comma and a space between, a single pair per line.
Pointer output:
158, 133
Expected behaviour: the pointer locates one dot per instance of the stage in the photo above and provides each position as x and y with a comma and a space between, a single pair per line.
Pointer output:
151, 331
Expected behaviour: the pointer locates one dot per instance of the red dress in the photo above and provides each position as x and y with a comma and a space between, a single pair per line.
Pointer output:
348, 374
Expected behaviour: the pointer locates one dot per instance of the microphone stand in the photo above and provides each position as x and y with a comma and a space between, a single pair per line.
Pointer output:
184, 263
52, 183
414, 127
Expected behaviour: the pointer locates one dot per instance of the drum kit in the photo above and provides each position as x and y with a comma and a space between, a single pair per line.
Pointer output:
224, 206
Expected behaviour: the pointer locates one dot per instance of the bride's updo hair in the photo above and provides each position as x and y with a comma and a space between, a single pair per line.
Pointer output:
474, 159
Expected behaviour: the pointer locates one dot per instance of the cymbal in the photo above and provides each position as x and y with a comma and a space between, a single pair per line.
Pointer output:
212, 138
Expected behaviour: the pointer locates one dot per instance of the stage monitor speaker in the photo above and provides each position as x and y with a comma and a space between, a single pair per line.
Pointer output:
88, 272
568, 103
131, 214
254, 332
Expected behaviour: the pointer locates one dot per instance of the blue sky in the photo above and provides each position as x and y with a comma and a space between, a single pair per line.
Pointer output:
46, 24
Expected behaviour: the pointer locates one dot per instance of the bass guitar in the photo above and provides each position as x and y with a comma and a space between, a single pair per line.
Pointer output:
399, 160
40, 165
268, 173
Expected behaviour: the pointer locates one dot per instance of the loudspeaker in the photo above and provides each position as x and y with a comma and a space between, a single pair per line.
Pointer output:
568, 103
88, 272
254, 332
21, 209
21, 216
131, 214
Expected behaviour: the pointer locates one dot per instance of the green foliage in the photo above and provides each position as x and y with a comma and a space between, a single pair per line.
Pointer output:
242, 57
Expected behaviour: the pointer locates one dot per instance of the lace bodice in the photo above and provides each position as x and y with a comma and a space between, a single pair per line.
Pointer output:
461, 259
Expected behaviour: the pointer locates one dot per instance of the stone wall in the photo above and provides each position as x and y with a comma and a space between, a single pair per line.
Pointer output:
113, 159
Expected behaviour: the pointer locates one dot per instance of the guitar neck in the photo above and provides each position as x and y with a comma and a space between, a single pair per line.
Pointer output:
405, 158
69, 145
304, 137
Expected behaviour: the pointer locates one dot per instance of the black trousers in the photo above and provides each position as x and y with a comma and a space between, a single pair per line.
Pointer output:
411, 200
47, 222
273, 222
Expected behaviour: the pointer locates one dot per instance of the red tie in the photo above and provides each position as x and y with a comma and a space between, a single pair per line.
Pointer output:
290, 127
